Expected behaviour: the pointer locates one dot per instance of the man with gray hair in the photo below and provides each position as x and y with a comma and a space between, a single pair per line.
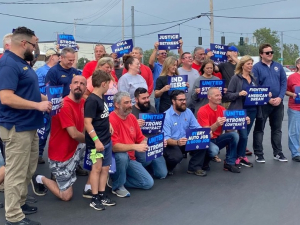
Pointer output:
145, 71
127, 139
6, 43
199, 57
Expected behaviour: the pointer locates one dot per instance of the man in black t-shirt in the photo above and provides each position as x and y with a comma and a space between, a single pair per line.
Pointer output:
142, 105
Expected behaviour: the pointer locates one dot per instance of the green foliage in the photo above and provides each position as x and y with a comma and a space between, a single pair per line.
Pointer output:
81, 63
290, 54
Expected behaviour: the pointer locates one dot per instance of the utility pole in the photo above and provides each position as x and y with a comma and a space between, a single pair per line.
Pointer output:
132, 25
211, 5
122, 19
281, 48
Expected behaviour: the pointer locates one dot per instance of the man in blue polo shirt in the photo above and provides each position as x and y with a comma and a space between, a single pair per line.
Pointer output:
51, 60
178, 119
21, 108
63, 72
271, 74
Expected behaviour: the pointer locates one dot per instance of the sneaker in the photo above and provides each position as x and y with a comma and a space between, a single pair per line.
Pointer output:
231, 168
97, 204
27, 209
87, 194
24, 221
238, 163
296, 158
38, 189
80, 171
109, 182
105, 200
245, 162
280, 157
260, 159
248, 152
201, 173
41, 160
121, 192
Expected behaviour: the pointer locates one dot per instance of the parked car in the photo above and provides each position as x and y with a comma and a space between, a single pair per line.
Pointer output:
291, 68
288, 72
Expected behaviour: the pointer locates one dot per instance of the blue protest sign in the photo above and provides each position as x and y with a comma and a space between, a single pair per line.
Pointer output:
297, 91
219, 53
66, 40
197, 139
207, 84
168, 41
110, 102
257, 96
123, 47
41, 131
155, 147
87, 163
153, 122
54, 94
178, 83
235, 120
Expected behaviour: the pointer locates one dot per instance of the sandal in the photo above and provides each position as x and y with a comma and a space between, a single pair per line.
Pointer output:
217, 159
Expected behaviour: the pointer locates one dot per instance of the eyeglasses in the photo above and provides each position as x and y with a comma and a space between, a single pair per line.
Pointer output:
33, 45
188, 57
163, 53
268, 53
181, 100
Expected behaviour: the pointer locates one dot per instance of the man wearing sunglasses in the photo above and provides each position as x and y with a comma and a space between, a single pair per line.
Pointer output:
271, 74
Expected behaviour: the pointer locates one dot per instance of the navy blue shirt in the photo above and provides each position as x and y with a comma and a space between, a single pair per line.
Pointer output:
57, 75
17, 75
273, 77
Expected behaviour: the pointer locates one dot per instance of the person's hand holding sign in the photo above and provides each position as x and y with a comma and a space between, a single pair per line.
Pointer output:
165, 143
166, 88
243, 93
248, 120
141, 147
44, 106
187, 84
221, 121
294, 95
270, 94
156, 44
141, 122
197, 90
181, 141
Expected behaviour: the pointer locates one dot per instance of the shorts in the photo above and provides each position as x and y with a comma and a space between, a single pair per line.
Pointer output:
65, 172
106, 155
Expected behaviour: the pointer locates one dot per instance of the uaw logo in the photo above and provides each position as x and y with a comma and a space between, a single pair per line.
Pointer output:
276, 68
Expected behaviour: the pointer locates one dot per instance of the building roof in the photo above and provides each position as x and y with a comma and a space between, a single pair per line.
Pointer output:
84, 42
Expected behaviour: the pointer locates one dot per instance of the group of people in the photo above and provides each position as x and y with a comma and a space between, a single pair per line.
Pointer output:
85, 127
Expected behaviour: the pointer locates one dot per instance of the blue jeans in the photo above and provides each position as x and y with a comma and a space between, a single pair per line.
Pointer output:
294, 131
157, 166
243, 140
130, 173
157, 102
228, 139
43, 141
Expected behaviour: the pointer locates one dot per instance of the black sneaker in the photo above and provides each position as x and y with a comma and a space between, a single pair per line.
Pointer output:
24, 221
201, 173
260, 159
231, 168
80, 171
27, 209
97, 204
107, 201
41, 160
280, 157
87, 194
296, 158
38, 189
245, 162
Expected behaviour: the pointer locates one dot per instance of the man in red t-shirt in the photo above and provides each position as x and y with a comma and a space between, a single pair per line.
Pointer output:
66, 143
145, 71
90, 67
211, 115
127, 138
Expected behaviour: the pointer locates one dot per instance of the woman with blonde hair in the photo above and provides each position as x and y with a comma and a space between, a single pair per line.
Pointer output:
236, 94
162, 88
105, 64
293, 111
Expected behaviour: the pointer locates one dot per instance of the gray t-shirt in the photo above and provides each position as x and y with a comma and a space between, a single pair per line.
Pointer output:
130, 83
192, 76
199, 102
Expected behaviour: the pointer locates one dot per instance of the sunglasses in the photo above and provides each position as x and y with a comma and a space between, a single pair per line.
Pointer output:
163, 53
33, 45
268, 53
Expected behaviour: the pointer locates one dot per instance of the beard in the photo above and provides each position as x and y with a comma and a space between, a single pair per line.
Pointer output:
78, 95
143, 107
28, 56
181, 108
125, 111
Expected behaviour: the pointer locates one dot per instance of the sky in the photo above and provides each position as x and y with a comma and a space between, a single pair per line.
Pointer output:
109, 13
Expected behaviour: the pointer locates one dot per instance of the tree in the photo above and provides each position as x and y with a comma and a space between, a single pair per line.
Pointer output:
290, 53
147, 54
81, 63
246, 49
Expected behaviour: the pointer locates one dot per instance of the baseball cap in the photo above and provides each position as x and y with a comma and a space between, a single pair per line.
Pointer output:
233, 49
50, 52
207, 50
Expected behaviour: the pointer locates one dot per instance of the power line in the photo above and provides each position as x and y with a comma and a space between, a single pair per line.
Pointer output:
95, 13
256, 18
41, 3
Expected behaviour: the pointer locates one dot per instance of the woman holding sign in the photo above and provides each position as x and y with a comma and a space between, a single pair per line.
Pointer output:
293, 90
162, 88
236, 94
